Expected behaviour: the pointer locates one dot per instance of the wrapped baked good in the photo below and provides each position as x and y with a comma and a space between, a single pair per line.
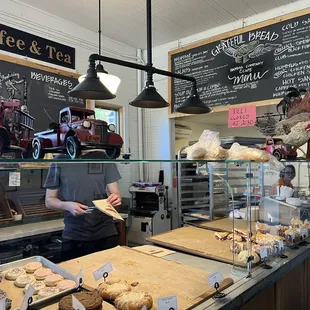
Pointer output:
239, 152
296, 223
234, 237
262, 228
221, 235
292, 236
243, 257
281, 230
237, 247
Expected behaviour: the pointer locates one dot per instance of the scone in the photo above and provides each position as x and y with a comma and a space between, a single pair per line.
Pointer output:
53, 279
38, 285
22, 281
243, 257
66, 284
133, 301
109, 290
32, 267
14, 273
47, 291
42, 273
90, 301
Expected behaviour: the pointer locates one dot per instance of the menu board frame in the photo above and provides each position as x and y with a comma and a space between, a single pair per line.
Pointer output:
224, 36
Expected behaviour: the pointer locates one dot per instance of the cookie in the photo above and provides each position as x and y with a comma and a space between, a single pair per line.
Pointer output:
14, 273
133, 301
41, 273
38, 285
32, 267
22, 281
47, 291
66, 284
90, 301
109, 290
53, 279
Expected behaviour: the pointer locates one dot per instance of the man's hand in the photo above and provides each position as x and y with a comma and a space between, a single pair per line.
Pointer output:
76, 208
114, 200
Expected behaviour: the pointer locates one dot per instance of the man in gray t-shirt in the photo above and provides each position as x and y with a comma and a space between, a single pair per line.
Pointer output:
72, 188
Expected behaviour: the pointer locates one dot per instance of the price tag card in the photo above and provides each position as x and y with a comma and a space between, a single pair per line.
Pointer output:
270, 218
76, 304
2, 304
144, 308
14, 179
242, 116
28, 294
79, 278
167, 303
281, 245
215, 277
263, 252
105, 269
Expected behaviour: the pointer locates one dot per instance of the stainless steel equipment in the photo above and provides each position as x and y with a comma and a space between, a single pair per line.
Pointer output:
148, 213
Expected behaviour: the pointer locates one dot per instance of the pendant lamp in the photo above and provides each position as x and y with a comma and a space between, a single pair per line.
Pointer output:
111, 82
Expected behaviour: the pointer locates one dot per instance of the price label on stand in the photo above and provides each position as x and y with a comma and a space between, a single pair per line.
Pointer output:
2, 304
144, 308
270, 218
14, 179
281, 245
76, 304
263, 252
167, 303
103, 271
215, 277
27, 298
79, 278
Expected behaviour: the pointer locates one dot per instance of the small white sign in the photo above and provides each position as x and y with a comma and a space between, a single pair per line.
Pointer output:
79, 278
263, 252
167, 303
14, 179
28, 294
270, 218
144, 308
76, 304
105, 269
215, 277
281, 246
2, 304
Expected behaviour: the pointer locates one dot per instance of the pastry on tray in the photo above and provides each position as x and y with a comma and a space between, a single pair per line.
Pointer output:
47, 291
234, 237
237, 247
262, 227
221, 235
41, 273
53, 279
243, 257
38, 285
133, 301
242, 233
23, 280
296, 223
32, 267
14, 273
66, 284
282, 229
109, 290
90, 301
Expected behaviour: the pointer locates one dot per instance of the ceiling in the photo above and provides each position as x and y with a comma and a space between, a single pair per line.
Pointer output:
124, 20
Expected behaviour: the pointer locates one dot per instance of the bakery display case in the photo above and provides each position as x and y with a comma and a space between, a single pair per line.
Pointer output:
231, 241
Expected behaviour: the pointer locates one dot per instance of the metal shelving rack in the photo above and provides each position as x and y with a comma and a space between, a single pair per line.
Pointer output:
203, 188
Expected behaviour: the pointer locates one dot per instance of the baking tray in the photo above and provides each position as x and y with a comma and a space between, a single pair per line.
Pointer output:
38, 304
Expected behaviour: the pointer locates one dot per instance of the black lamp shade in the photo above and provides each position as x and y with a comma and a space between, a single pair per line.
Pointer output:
91, 88
149, 98
193, 105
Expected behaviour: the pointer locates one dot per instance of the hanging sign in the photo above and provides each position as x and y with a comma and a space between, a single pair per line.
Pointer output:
22, 43
242, 116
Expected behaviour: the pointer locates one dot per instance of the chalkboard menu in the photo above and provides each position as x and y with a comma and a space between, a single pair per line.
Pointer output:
45, 90
253, 64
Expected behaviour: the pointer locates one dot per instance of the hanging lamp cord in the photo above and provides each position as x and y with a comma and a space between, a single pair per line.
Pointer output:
99, 28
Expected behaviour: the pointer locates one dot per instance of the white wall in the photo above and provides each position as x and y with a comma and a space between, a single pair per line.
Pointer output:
29, 19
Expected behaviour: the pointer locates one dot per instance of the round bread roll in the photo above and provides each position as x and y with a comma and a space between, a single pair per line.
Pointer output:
47, 291
42, 273
90, 301
243, 255
22, 281
32, 267
133, 301
53, 279
109, 290
38, 285
66, 284
14, 273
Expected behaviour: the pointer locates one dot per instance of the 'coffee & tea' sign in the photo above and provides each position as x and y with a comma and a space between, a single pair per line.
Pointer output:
25, 44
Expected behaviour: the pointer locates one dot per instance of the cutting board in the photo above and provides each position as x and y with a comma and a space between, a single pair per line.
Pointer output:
226, 224
155, 275
153, 250
197, 241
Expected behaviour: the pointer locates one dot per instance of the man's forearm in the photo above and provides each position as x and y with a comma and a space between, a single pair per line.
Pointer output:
57, 204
